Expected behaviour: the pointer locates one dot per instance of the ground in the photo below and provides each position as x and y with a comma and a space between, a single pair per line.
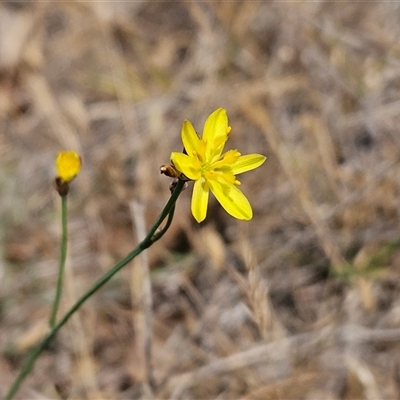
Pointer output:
302, 301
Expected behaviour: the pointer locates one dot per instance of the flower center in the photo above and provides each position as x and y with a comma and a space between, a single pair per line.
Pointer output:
220, 169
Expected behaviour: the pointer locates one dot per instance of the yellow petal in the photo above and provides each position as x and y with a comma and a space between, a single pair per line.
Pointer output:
186, 165
215, 133
232, 200
247, 163
190, 140
200, 199
68, 165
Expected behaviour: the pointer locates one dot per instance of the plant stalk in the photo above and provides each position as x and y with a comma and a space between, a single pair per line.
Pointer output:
63, 257
151, 237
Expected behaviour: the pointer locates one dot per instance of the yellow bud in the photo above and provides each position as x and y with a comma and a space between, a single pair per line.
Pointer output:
68, 165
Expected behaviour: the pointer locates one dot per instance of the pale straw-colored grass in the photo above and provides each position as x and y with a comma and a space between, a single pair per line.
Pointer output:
300, 302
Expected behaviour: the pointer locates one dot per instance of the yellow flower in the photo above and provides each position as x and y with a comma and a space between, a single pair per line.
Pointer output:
68, 165
205, 164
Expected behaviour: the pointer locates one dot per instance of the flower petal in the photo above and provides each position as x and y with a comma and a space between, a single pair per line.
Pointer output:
190, 140
247, 163
200, 199
186, 165
215, 133
232, 200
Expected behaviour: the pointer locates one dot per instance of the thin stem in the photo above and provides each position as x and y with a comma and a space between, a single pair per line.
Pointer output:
161, 232
144, 244
63, 257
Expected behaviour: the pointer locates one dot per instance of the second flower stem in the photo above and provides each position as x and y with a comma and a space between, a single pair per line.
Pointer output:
63, 257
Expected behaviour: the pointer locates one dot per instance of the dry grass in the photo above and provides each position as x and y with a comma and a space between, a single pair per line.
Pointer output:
301, 302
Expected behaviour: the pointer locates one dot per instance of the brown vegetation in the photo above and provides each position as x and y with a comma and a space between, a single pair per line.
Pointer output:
303, 301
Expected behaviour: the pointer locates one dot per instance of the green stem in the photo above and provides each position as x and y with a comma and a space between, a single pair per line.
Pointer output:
161, 232
151, 237
63, 257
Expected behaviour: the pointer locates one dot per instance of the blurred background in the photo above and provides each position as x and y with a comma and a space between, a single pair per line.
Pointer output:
302, 302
